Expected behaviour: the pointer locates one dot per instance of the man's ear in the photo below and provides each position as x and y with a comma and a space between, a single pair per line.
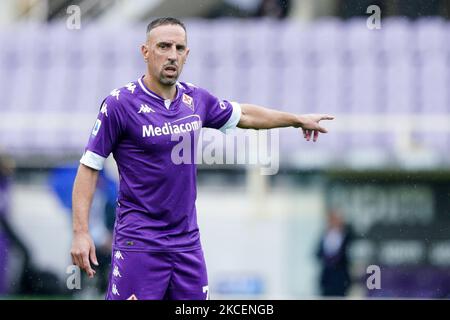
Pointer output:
144, 51
187, 54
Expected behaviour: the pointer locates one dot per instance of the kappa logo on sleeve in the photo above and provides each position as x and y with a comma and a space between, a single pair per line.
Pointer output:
97, 126
115, 93
131, 86
188, 101
104, 109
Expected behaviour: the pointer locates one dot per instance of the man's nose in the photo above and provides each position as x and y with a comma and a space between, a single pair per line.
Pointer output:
172, 54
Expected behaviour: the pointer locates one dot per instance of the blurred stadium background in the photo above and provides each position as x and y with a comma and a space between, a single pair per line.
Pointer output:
384, 166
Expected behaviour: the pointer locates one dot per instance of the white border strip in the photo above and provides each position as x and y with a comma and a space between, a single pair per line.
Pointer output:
234, 118
92, 160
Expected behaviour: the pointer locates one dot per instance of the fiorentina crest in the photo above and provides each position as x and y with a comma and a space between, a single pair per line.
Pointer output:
188, 101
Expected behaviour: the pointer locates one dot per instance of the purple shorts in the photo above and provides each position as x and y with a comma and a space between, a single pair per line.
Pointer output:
158, 276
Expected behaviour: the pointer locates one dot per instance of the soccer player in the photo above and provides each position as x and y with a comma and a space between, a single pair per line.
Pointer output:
157, 252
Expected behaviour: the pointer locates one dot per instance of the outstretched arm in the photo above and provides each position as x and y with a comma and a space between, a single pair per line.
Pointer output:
256, 117
83, 248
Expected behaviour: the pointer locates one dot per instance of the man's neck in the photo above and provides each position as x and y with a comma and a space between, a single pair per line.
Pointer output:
165, 92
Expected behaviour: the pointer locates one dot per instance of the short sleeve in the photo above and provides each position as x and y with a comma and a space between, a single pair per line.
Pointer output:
221, 114
107, 131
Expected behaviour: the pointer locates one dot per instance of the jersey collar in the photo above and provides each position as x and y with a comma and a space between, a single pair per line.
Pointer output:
166, 102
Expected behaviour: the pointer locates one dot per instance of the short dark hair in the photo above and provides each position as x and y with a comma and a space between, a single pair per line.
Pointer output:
164, 21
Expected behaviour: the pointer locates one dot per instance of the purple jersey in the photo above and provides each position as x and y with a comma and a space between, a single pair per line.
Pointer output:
156, 204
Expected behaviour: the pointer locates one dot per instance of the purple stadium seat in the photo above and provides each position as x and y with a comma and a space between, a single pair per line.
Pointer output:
327, 66
431, 36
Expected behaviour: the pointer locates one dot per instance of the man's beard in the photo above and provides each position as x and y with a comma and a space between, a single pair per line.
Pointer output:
168, 81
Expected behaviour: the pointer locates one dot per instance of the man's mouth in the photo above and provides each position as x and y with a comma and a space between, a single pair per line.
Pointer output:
170, 69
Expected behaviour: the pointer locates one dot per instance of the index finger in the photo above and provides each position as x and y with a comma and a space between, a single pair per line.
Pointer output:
327, 117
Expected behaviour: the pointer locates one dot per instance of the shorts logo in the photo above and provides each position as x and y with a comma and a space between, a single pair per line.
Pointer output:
104, 109
118, 255
114, 290
206, 290
188, 101
116, 272
97, 125
132, 297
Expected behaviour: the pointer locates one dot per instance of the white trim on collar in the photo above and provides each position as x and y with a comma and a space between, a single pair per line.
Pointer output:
146, 91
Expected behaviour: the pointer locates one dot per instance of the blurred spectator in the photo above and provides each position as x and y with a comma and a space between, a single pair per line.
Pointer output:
333, 255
